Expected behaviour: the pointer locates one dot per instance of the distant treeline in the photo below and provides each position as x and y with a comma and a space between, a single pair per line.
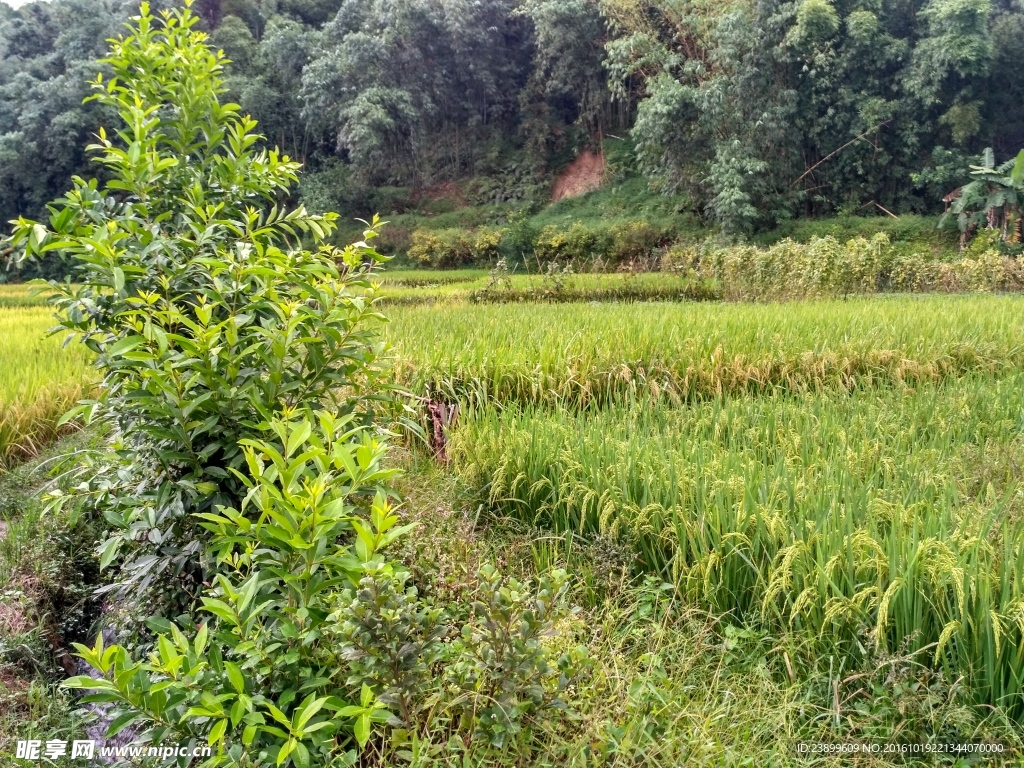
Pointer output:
756, 111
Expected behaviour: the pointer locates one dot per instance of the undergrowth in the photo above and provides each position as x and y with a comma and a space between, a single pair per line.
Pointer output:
49, 571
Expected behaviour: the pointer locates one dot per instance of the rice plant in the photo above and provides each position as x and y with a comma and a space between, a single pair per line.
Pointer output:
411, 278
595, 354
474, 286
21, 295
888, 518
39, 380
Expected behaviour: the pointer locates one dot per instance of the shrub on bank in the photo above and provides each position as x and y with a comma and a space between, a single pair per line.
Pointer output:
599, 247
454, 248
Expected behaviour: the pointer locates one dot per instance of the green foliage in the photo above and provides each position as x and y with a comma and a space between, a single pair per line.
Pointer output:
364, 85
455, 248
825, 267
597, 245
816, 22
993, 199
754, 114
502, 666
207, 321
493, 681
260, 677
765, 112
47, 53
907, 232
577, 243
390, 639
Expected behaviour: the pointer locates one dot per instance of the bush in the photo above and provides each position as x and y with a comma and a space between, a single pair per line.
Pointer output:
299, 531
454, 248
519, 239
205, 329
601, 246
635, 241
577, 244
919, 231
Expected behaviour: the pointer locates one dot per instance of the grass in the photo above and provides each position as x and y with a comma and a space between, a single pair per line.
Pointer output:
49, 570
595, 354
39, 380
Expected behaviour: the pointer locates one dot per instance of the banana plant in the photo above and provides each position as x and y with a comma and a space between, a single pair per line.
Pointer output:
994, 197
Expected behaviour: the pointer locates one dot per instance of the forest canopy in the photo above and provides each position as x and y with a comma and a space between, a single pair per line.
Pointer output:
753, 111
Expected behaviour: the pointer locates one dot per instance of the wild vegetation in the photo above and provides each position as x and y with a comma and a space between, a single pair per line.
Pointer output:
668, 473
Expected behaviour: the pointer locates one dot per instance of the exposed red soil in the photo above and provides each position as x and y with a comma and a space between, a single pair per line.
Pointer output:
584, 174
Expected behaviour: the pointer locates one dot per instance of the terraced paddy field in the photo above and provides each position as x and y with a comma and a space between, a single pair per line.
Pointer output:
477, 286
603, 354
845, 471
40, 379
841, 476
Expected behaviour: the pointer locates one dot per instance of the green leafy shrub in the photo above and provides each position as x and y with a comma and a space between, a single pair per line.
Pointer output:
635, 241
208, 322
520, 238
389, 638
260, 676
578, 243
601, 246
243, 383
492, 680
230, 683
503, 669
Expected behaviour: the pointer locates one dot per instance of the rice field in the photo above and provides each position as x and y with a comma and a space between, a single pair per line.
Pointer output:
476, 286
411, 278
39, 380
848, 470
600, 354
20, 295
884, 513
845, 470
